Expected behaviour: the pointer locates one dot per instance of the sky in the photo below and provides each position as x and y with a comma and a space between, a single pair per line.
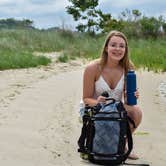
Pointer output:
52, 13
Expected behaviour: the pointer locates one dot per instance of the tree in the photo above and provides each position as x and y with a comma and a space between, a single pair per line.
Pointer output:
136, 14
130, 19
164, 27
84, 10
90, 18
13, 23
150, 26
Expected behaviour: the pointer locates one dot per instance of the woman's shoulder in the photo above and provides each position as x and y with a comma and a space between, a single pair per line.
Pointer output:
93, 69
93, 65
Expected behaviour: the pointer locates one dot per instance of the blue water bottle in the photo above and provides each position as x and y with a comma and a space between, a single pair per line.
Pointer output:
131, 87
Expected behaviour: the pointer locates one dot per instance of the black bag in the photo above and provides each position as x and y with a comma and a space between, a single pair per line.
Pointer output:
105, 133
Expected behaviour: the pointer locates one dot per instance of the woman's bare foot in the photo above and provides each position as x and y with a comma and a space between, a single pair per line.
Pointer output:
133, 156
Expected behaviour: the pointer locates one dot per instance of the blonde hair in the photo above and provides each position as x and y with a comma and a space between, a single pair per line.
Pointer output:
124, 62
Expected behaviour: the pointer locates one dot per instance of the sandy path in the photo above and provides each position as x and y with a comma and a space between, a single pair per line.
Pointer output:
38, 126
39, 119
151, 143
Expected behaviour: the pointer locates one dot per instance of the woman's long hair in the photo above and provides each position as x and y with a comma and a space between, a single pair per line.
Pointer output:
124, 62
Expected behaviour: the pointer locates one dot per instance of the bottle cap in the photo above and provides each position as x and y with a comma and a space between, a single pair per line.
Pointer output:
131, 71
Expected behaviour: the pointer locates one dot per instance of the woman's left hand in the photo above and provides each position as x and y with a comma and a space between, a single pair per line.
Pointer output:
137, 93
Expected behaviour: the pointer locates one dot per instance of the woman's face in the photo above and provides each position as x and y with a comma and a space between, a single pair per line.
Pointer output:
116, 48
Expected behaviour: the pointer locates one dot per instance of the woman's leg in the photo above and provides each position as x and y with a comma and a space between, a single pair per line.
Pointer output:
135, 113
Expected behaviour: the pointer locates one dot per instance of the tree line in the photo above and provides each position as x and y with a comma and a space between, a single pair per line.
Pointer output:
93, 21
132, 22
11, 23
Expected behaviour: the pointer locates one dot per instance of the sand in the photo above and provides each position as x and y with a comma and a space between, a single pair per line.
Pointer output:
39, 120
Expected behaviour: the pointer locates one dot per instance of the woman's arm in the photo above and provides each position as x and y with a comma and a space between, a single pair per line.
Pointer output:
89, 79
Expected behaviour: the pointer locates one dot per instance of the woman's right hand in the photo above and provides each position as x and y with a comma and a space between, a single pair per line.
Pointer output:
101, 99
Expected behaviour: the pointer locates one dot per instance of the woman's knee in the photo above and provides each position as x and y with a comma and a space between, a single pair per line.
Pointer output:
136, 114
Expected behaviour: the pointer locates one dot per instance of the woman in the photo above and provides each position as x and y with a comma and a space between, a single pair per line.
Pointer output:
108, 73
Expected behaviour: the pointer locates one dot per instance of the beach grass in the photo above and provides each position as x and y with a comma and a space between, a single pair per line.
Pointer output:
141, 133
13, 60
18, 46
149, 54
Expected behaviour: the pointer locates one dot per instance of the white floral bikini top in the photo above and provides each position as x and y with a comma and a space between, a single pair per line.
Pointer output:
116, 93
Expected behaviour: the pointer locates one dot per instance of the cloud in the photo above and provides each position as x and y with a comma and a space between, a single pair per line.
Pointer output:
39, 1
43, 13
146, 7
4, 2
47, 13
131, 3
32, 8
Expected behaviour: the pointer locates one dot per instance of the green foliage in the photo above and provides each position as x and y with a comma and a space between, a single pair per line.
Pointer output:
149, 54
91, 19
11, 23
150, 26
130, 15
131, 22
76, 14
63, 58
17, 47
112, 24
12, 60
164, 27
136, 13
136, 25
83, 4
84, 10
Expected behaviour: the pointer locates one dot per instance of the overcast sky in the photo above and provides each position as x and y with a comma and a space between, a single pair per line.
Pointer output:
50, 13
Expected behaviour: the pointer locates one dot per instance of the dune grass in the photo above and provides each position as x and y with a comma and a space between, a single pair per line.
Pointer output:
17, 47
149, 54
15, 60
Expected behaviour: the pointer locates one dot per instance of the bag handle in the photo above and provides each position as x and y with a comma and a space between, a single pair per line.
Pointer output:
82, 138
110, 98
129, 140
131, 121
